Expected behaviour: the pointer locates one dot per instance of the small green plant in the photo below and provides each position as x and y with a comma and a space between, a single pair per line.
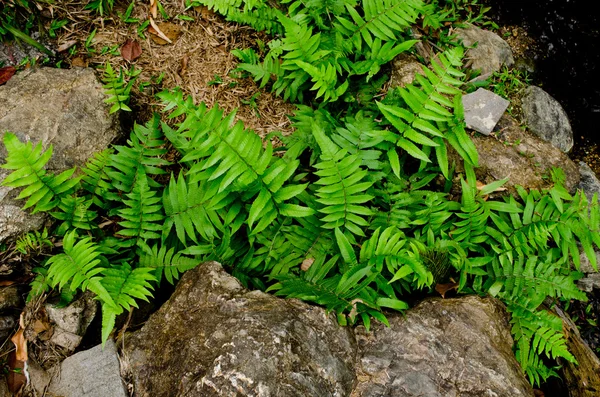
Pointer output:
33, 243
102, 7
118, 86
126, 17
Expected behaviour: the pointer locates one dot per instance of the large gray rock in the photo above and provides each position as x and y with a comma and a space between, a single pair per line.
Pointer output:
522, 157
215, 338
442, 348
90, 373
483, 109
490, 52
544, 116
589, 181
64, 108
71, 322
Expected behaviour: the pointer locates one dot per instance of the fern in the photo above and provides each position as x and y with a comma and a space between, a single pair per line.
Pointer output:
43, 191
115, 87
75, 214
95, 179
33, 242
167, 262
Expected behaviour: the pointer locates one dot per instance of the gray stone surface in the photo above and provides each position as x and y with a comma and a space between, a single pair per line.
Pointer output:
589, 181
490, 53
546, 118
483, 109
9, 298
64, 108
522, 157
91, 373
12, 54
404, 69
75, 317
8, 325
215, 338
442, 348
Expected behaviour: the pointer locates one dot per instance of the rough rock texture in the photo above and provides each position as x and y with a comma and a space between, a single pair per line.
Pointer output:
442, 348
9, 298
214, 338
490, 53
64, 108
71, 322
544, 116
589, 181
483, 109
7, 325
582, 380
524, 158
90, 373
404, 69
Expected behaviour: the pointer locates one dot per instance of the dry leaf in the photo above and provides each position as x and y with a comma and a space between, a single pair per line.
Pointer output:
153, 8
442, 289
131, 50
66, 45
40, 326
79, 62
204, 11
307, 263
164, 32
6, 283
6, 73
17, 361
184, 65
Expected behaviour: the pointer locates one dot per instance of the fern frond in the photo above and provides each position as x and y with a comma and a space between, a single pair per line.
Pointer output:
143, 214
76, 214
116, 89
343, 189
166, 262
123, 285
42, 190
33, 242
95, 179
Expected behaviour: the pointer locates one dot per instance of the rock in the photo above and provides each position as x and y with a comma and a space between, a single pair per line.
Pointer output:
442, 348
65, 339
12, 54
64, 108
490, 53
582, 379
7, 326
589, 282
77, 316
404, 69
215, 338
483, 109
544, 116
90, 373
9, 298
589, 181
522, 157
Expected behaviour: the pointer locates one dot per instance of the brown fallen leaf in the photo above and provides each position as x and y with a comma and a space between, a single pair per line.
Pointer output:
443, 289
6, 73
131, 50
153, 8
79, 62
164, 32
17, 361
66, 45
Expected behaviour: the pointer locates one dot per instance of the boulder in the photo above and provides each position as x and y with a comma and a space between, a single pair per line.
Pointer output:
544, 116
64, 108
404, 69
489, 53
522, 157
10, 298
90, 373
483, 109
589, 182
215, 338
442, 348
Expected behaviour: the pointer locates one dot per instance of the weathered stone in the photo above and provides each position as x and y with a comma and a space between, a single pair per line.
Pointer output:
483, 109
442, 348
77, 316
12, 54
544, 116
9, 298
589, 181
404, 69
65, 339
586, 265
582, 379
522, 157
7, 325
215, 338
91, 373
589, 282
490, 52
64, 108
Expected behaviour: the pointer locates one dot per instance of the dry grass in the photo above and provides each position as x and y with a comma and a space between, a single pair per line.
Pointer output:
192, 61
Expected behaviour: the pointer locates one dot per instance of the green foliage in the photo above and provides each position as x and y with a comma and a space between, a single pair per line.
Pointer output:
117, 86
352, 213
102, 7
33, 243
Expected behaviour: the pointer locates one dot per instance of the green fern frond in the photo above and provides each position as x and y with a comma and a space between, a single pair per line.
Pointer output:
42, 190
76, 214
117, 90
143, 213
166, 261
343, 189
33, 242
95, 179
382, 19
123, 285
